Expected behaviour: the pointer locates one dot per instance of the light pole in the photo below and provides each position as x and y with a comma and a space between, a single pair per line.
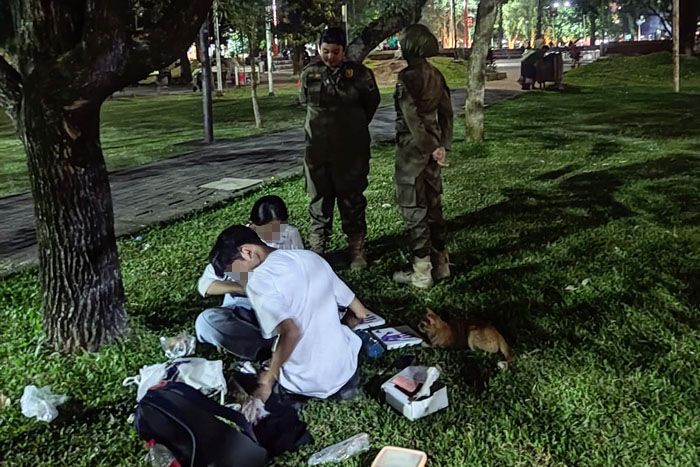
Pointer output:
639, 22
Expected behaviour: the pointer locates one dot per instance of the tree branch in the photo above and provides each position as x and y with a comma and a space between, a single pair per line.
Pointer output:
378, 30
662, 17
118, 54
10, 89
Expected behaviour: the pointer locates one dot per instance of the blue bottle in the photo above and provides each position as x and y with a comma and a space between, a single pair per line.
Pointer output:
370, 345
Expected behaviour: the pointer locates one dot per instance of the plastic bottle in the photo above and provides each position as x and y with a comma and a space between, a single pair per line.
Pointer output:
344, 450
160, 456
370, 346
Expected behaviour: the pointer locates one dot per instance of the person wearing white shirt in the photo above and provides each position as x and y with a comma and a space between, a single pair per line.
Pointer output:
220, 326
295, 295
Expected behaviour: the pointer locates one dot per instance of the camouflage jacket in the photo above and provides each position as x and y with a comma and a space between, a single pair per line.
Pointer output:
423, 118
340, 103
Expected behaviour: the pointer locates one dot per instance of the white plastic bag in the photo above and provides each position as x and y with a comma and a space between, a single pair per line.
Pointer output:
204, 375
41, 403
341, 451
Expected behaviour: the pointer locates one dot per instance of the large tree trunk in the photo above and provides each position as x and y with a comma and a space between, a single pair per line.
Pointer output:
68, 58
404, 14
83, 296
474, 107
593, 31
185, 68
298, 59
688, 11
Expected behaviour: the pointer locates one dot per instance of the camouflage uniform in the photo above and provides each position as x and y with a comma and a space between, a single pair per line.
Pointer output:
340, 104
423, 123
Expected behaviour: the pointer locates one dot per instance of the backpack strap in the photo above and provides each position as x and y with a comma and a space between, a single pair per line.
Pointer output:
179, 422
217, 409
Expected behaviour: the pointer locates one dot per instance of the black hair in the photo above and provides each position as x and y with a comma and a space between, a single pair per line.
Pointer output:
545, 47
227, 247
269, 208
334, 36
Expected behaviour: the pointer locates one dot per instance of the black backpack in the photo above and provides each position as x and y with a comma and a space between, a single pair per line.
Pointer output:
192, 426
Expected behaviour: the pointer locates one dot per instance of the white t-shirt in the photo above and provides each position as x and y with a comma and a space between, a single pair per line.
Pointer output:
289, 239
300, 285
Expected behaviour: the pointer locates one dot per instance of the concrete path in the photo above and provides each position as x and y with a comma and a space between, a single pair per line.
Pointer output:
201, 176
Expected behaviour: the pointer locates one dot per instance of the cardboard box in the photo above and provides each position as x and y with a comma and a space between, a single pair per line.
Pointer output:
415, 409
391, 456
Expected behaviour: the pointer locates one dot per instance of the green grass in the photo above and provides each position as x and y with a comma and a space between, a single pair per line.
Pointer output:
139, 130
574, 229
143, 129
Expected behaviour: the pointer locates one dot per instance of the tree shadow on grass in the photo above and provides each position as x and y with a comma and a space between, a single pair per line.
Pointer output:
531, 220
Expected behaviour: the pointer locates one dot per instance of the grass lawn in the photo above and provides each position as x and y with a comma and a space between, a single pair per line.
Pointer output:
143, 129
574, 229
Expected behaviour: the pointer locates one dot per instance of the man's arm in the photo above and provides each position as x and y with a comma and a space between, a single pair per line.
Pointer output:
303, 95
369, 93
358, 312
289, 336
445, 117
224, 287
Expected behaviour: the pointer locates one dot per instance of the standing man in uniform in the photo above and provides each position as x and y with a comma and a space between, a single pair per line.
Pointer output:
341, 98
423, 135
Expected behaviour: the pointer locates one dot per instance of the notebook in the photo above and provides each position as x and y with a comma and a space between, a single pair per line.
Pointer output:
397, 337
372, 320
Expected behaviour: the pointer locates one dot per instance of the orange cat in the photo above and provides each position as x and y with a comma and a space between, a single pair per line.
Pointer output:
462, 332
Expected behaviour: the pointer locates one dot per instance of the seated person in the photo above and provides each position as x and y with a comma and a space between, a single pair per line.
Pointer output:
220, 326
295, 295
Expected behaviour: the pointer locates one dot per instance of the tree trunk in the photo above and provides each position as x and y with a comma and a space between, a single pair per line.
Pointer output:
474, 107
207, 112
254, 84
688, 11
185, 68
592, 19
83, 295
500, 28
298, 59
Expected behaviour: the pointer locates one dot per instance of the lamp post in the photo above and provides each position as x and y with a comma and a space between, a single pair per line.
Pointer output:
639, 22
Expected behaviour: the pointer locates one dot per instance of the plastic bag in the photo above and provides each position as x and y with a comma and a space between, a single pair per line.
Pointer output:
181, 345
341, 451
41, 403
204, 375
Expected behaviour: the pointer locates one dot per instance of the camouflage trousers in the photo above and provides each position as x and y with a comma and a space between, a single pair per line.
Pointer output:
421, 208
326, 184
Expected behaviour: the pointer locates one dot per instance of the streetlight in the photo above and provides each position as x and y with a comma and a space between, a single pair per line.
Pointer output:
639, 22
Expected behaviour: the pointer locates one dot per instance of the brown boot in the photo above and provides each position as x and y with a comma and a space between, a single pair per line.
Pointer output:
441, 264
358, 254
318, 243
420, 277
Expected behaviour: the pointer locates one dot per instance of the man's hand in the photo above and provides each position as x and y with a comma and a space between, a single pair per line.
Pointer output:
440, 156
265, 383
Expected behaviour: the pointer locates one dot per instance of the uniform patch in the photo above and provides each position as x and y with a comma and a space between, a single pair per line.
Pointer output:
349, 72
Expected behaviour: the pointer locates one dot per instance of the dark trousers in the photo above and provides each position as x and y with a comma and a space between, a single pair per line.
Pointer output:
326, 183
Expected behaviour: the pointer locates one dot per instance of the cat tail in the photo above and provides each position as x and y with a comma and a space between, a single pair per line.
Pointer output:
505, 350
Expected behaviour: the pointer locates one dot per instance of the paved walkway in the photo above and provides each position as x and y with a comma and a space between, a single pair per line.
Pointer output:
201, 176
